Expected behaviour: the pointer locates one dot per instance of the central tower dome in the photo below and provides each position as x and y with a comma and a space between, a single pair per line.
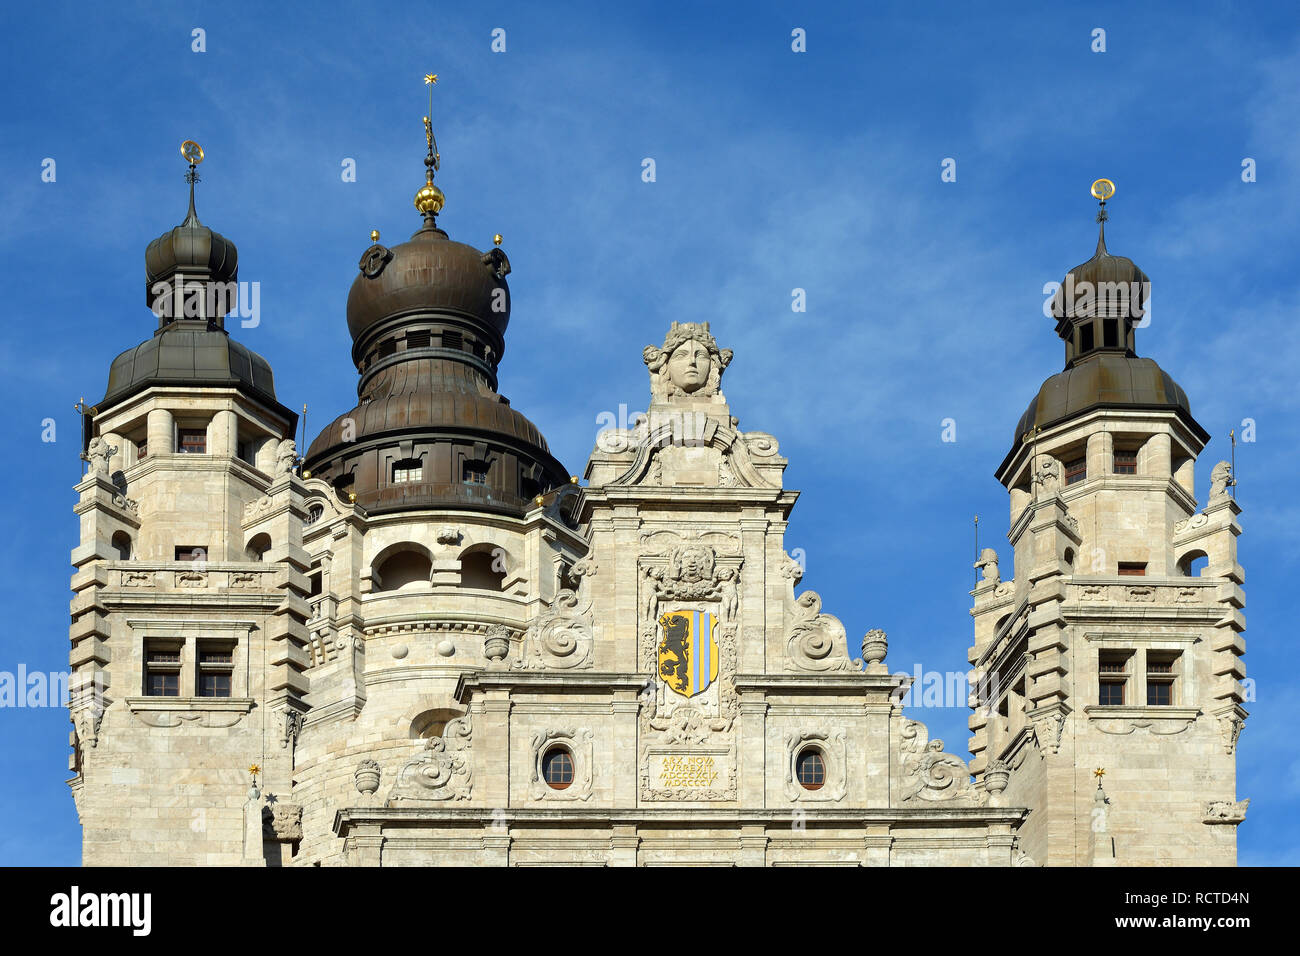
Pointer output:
428, 319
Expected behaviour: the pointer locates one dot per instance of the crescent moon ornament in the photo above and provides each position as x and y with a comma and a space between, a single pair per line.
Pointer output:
1103, 189
192, 152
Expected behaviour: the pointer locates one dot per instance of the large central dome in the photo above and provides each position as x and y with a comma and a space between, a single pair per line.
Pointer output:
428, 320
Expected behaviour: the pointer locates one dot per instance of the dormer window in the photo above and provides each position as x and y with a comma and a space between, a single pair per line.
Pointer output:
475, 473
408, 470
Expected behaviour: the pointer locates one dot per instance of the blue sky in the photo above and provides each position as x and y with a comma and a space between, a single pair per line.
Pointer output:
775, 171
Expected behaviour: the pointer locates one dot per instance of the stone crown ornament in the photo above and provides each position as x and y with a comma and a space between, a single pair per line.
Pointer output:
688, 367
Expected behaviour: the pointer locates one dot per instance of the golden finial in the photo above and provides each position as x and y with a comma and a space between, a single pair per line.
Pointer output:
374, 235
430, 199
254, 769
496, 240
192, 152
1102, 189
306, 474
1099, 773
573, 479
352, 497
539, 501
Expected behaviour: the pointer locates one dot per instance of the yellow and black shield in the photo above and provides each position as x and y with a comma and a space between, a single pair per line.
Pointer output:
688, 652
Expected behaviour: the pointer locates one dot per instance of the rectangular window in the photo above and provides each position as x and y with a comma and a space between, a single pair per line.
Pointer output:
405, 472
191, 552
215, 667
475, 473
1160, 694
418, 340
1110, 333
1113, 674
1161, 667
1133, 568
141, 450
1085, 338
387, 347
1076, 470
1126, 462
453, 340
192, 441
246, 454
162, 670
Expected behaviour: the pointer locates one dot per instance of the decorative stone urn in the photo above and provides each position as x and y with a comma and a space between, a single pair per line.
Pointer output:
367, 777
874, 647
995, 779
497, 643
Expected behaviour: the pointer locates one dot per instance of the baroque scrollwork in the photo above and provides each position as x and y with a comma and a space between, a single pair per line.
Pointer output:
930, 774
442, 770
816, 641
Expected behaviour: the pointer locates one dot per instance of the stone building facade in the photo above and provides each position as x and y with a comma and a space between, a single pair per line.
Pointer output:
437, 647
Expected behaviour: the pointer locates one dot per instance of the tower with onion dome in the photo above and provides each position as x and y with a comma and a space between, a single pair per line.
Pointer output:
1117, 645
188, 618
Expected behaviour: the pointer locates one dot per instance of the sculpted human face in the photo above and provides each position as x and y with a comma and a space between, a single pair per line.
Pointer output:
689, 366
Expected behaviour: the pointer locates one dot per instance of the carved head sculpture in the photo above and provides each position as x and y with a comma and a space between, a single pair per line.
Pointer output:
693, 563
689, 364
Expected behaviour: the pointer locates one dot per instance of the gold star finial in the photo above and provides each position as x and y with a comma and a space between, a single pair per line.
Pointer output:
254, 769
1099, 773
430, 79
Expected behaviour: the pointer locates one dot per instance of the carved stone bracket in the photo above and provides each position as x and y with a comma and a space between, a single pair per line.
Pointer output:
282, 822
1225, 812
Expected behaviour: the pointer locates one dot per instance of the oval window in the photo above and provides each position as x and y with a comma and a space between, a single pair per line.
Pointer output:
557, 768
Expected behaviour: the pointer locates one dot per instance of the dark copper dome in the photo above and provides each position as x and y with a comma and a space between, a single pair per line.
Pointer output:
429, 273
428, 320
1103, 380
192, 250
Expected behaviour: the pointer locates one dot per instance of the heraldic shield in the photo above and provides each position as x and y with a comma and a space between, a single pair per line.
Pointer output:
688, 652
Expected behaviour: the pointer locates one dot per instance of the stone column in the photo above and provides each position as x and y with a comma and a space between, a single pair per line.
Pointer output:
1101, 455
161, 432
1154, 459
223, 434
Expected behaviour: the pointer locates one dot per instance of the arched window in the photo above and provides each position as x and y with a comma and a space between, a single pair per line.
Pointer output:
557, 768
404, 568
484, 569
122, 545
810, 769
258, 545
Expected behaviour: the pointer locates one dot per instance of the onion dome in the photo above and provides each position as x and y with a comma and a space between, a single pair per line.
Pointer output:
1099, 306
428, 320
191, 279
191, 250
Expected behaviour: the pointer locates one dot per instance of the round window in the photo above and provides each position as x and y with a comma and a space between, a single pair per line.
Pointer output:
810, 769
557, 768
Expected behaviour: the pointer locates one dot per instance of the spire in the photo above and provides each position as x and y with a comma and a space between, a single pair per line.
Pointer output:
429, 200
1102, 189
193, 154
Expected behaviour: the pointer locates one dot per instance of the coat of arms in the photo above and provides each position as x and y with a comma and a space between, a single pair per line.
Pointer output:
688, 651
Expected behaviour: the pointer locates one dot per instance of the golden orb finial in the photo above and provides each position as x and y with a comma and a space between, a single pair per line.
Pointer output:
496, 240
1102, 189
430, 199
374, 235
192, 152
